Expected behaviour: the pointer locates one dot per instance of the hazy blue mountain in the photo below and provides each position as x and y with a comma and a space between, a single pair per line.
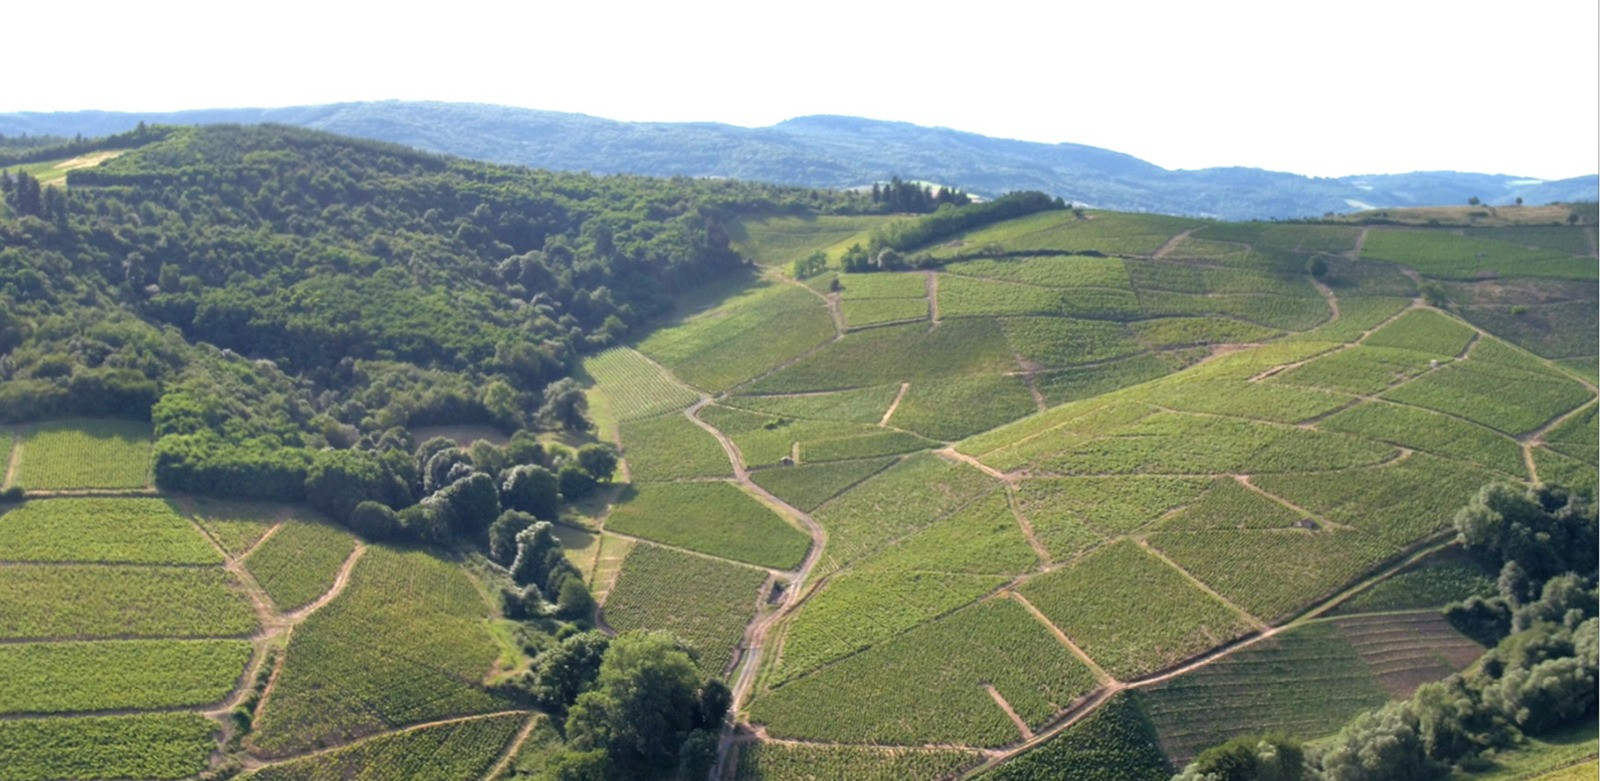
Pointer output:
833, 151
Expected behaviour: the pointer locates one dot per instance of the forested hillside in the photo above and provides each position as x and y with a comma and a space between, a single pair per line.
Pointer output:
837, 151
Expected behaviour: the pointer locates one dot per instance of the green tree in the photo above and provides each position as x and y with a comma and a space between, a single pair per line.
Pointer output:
503, 535
565, 406
531, 489
645, 705
576, 482
599, 460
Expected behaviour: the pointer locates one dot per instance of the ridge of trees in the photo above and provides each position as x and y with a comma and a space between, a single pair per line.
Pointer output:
885, 250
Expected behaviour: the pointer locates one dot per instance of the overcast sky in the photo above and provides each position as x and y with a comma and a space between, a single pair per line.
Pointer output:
1324, 88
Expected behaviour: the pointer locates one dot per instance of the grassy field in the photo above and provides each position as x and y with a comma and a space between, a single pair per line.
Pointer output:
928, 685
118, 674
1438, 253
704, 602
863, 405
896, 354
861, 312
712, 517
458, 751
425, 614
77, 454
146, 745
298, 562
110, 531
959, 407
894, 503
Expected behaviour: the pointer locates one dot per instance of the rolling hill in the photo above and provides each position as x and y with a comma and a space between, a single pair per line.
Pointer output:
835, 151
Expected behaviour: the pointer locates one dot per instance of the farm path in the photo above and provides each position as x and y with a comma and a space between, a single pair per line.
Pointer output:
510, 753
248, 763
262, 540
1022, 726
1200, 584
830, 299
1244, 480
755, 635
1532, 439
893, 405
1026, 525
1172, 243
339, 582
782, 574
1100, 674
14, 457
933, 299
1330, 296
1361, 241
955, 455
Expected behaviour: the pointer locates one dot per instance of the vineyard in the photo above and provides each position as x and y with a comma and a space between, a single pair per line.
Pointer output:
79, 454
108, 531
703, 601
713, 518
457, 751
426, 616
1071, 475
298, 562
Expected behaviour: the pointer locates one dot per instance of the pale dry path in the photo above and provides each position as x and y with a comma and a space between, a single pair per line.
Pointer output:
933, 299
1000, 700
954, 455
893, 405
1172, 243
510, 753
248, 763
1100, 674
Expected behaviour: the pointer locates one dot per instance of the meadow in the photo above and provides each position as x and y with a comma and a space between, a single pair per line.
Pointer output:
761, 328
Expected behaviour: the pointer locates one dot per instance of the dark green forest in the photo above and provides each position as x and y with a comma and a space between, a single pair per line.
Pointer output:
270, 296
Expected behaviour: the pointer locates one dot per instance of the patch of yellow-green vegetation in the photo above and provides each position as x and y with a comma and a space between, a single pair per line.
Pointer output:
1191, 331
1090, 600
425, 617
458, 751
1065, 341
581, 547
118, 674
608, 564
766, 440
882, 285
895, 503
1441, 435
807, 486
86, 601
943, 567
82, 454
878, 311
1048, 271
1112, 233
931, 685
862, 405
770, 761
634, 386
1441, 253
671, 447
755, 331
54, 172
236, 525
1425, 331
780, 240
703, 601
1070, 514
714, 518
957, 407
107, 531
299, 562
1359, 369
896, 354
1566, 755
143, 745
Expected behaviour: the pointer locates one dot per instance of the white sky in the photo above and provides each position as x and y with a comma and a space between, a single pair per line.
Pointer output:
1325, 88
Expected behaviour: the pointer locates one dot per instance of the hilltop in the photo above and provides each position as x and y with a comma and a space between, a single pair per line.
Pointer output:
837, 152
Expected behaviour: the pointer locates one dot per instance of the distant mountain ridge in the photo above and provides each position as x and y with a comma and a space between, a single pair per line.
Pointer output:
836, 151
